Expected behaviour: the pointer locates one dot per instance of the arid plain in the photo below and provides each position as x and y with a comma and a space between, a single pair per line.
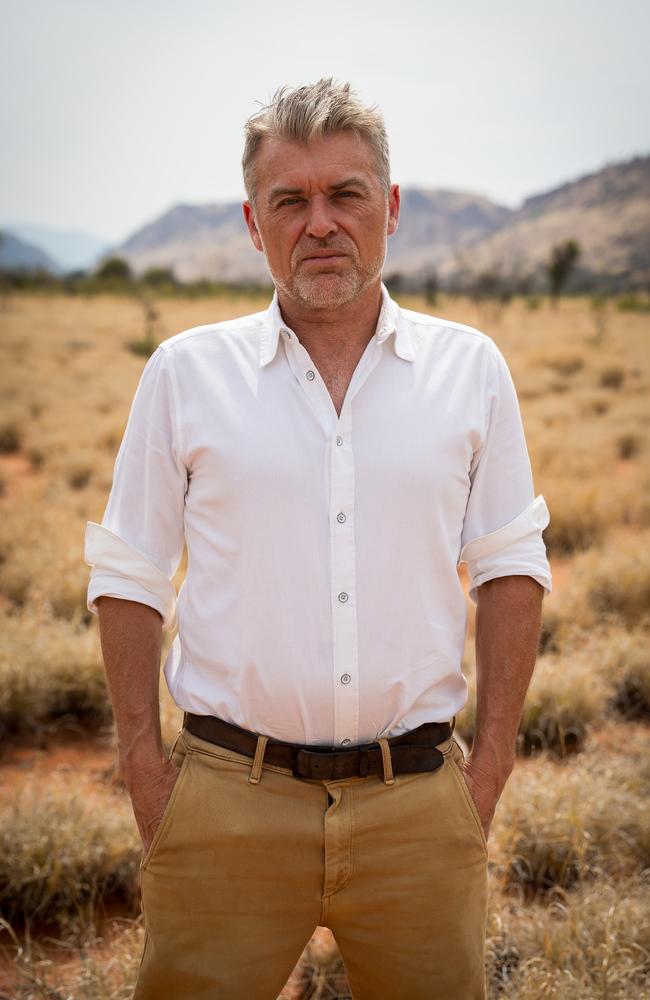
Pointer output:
570, 842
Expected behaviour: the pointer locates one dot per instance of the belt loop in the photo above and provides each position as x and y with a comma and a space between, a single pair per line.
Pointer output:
256, 769
386, 761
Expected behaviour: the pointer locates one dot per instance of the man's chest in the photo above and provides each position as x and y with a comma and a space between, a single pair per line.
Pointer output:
397, 439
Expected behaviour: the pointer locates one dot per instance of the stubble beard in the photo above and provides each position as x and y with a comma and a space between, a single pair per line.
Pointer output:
329, 290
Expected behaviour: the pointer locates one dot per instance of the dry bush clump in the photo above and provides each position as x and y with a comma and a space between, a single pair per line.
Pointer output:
50, 673
594, 675
591, 944
565, 823
612, 377
62, 859
607, 587
563, 699
42, 562
564, 361
577, 518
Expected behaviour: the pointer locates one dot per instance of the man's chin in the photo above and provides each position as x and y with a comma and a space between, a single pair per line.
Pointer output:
327, 291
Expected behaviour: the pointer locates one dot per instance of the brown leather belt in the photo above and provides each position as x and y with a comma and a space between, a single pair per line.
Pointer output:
410, 752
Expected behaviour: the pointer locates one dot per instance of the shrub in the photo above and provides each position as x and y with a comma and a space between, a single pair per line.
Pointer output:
60, 857
50, 673
628, 445
608, 588
569, 822
591, 944
612, 377
577, 520
9, 438
633, 303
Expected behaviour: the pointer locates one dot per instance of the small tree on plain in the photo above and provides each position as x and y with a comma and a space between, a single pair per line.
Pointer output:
114, 269
431, 287
560, 266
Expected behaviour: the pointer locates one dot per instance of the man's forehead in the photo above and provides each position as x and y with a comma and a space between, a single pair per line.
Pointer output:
330, 159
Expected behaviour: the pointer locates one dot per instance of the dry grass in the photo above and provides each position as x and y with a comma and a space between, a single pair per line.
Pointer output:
570, 847
62, 858
593, 944
50, 675
584, 818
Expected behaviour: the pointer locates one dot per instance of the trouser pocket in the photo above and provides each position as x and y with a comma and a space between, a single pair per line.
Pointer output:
180, 755
456, 758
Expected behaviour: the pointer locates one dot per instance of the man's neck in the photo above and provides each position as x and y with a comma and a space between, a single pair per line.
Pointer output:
338, 332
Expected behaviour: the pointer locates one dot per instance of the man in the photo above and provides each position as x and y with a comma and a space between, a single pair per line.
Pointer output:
328, 462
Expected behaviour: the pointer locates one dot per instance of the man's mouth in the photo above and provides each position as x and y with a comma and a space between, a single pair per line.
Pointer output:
325, 255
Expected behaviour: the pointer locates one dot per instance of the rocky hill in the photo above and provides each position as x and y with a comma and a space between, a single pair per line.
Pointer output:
607, 212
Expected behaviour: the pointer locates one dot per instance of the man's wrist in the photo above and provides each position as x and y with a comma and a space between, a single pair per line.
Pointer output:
494, 753
140, 753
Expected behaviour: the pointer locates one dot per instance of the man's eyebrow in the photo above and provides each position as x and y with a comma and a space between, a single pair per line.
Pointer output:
351, 182
283, 192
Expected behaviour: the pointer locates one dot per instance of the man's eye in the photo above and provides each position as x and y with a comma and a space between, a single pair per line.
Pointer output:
289, 201
346, 194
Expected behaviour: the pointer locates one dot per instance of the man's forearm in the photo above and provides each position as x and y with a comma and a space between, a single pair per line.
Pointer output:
508, 622
131, 638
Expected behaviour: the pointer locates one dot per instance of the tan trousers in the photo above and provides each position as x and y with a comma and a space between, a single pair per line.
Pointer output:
240, 872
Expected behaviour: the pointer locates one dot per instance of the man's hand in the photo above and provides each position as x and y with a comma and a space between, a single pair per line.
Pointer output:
485, 780
150, 787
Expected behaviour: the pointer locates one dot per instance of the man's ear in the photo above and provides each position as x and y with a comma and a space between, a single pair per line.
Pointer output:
393, 209
249, 219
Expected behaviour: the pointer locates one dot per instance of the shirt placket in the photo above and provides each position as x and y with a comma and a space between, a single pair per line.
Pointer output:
343, 579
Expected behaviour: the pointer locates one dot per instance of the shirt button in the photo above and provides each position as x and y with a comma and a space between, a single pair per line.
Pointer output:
340, 517
339, 441
345, 678
286, 334
345, 743
311, 375
343, 597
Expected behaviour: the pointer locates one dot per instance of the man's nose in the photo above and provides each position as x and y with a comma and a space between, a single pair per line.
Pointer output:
320, 222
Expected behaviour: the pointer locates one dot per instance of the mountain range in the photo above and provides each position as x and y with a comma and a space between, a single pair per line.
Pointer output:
66, 249
457, 235
453, 236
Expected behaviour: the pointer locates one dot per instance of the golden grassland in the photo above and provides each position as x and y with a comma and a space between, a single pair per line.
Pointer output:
570, 841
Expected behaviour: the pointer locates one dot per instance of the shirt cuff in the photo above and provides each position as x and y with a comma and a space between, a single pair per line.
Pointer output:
120, 570
516, 549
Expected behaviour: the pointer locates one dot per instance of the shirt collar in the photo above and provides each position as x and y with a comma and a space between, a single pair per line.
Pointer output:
391, 322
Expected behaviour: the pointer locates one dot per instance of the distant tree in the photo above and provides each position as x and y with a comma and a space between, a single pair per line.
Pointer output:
431, 289
157, 276
560, 266
148, 343
114, 269
491, 291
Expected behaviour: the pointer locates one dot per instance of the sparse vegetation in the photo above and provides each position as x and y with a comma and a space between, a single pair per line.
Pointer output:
570, 842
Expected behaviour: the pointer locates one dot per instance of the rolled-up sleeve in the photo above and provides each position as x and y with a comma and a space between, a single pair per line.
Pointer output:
504, 521
136, 550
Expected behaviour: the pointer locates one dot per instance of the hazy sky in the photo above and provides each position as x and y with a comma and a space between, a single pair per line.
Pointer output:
114, 110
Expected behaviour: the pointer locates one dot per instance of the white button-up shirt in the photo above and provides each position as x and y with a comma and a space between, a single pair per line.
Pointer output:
322, 603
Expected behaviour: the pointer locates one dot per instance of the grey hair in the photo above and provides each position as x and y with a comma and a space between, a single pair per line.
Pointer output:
312, 111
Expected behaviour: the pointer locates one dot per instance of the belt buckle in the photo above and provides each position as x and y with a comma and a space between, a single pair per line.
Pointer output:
300, 755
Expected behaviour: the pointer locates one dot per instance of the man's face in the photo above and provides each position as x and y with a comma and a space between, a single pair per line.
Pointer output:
321, 217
